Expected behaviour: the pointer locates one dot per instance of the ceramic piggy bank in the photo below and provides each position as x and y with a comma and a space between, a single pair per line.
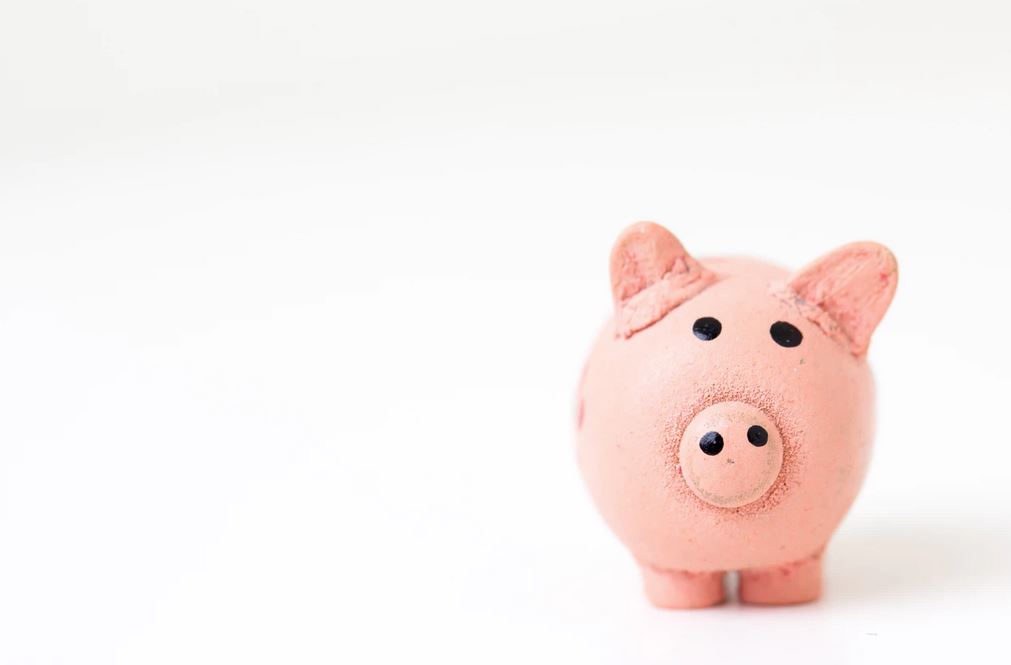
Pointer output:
725, 414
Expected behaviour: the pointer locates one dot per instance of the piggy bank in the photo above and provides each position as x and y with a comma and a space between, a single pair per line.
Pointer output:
725, 414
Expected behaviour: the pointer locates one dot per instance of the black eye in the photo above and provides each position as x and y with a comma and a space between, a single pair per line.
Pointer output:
707, 328
757, 436
785, 334
711, 443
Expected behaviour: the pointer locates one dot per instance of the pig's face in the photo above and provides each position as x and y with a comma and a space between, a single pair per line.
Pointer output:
729, 392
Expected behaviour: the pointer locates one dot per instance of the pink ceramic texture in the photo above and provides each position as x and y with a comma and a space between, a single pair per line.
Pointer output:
794, 423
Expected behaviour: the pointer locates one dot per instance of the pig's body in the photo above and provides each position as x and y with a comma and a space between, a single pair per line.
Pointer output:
650, 394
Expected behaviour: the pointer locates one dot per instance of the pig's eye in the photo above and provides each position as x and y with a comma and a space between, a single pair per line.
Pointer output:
785, 334
707, 328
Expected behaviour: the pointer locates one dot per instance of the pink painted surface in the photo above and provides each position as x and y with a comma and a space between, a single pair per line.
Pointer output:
652, 390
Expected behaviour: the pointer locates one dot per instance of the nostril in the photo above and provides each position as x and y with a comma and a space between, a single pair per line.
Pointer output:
711, 443
757, 436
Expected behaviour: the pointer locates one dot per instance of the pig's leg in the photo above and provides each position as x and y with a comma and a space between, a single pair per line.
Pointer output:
796, 582
682, 589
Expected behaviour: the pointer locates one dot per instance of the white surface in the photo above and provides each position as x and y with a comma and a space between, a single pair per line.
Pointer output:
294, 297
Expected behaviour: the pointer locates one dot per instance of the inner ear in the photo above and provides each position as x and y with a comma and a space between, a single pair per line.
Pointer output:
651, 274
847, 292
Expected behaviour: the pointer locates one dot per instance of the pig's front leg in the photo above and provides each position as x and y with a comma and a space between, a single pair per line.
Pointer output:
682, 589
786, 584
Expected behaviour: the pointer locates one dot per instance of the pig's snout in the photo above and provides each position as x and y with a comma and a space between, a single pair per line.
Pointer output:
731, 454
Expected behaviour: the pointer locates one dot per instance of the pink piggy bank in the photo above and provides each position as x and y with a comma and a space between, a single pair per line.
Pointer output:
725, 414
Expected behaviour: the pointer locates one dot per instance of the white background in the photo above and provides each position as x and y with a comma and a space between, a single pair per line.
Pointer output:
294, 297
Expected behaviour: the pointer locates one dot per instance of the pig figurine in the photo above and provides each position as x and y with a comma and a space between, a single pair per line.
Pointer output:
725, 414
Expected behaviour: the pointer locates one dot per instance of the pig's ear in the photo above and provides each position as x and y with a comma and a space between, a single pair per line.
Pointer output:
651, 274
846, 292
